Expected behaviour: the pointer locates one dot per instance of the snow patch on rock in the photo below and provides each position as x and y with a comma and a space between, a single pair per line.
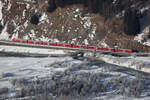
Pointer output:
26, 37
43, 18
88, 22
43, 38
32, 34
1, 6
4, 34
9, 5
27, 6
26, 24
15, 36
143, 38
104, 45
86, 42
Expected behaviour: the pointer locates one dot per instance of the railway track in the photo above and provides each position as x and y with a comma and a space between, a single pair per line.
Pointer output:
80, 50
76, 48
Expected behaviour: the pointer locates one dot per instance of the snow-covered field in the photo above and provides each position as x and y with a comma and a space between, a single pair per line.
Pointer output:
101, 80
29, 68
17, 67
61, 77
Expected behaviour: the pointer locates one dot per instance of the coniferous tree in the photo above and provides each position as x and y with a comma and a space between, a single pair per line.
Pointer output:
1, 28
52, 6
59, 3
131, 22
89, 5
68, 2
85, 3
95, 6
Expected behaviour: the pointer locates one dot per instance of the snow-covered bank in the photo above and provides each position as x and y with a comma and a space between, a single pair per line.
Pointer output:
18, 49
137, 63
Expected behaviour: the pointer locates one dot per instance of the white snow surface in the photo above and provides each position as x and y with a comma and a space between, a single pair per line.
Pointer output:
30, 50
142, 38
43, 17
27, 67
137, 63
15, 35
9, 5
1, 6
104, 44
4, 34
119, 97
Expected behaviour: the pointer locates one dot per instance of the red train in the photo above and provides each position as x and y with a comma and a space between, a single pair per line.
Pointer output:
74, 46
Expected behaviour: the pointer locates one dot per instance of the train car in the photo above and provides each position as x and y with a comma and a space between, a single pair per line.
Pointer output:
68, 45
43, 43
30, 42
37, 42
128, 51
75, 46
91, 47
84, 47
62, 45
52, 44
24, 41
14, 40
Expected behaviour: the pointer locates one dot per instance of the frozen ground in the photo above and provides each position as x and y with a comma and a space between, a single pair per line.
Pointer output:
133, 62
59, 78
64, 77
18, 49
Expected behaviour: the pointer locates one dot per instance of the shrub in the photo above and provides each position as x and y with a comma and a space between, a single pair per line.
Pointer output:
4, 90
131, 22
7, 75
52, 6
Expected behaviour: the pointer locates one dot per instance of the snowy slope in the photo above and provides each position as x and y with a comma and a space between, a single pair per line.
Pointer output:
133, 62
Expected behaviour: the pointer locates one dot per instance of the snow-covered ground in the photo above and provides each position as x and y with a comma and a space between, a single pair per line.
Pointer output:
28, 67
37, 68
95, 73
30, 50
133, 62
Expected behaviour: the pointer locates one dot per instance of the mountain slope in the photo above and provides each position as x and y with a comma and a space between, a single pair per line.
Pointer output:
75, 21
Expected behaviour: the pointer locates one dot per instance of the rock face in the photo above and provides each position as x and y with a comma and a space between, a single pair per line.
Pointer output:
88, 22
